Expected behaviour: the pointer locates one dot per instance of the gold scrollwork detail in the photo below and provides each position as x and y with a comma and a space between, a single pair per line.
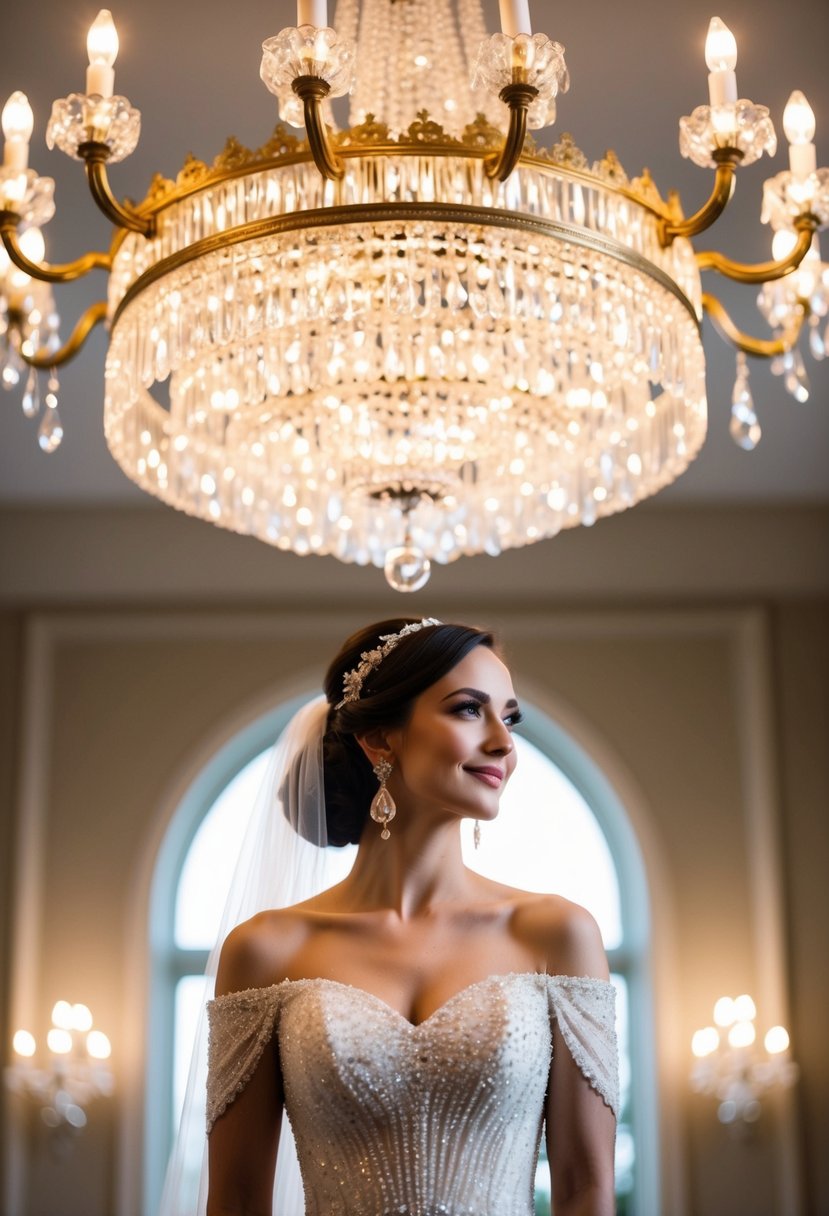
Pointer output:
610, 169
645, 187
424, 130
371, 131
567, 153
192, 171
233, 156
481, 133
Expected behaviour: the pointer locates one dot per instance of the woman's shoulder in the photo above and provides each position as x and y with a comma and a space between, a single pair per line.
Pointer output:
562, 933
256, 954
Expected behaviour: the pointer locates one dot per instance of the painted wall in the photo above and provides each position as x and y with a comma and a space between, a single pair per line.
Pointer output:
709, 713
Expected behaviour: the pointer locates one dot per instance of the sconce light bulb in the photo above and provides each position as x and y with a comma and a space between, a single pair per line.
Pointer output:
742, 1034
782, 243
705, 1042
102, 40
776, 1040
32, 243
724, 1014
62, 1010
98, 1045
720, 47
744, 1008
81, 1018
799, 119
24, 1044
18, 120
59, 1041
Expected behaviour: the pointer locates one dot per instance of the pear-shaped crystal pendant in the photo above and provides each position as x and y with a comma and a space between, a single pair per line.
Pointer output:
31, 397
817, 338
50, 431
383, 810
407, 567
10, 367
744, 428
796, 379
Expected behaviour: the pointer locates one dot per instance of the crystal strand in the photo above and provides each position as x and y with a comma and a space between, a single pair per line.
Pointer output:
50, 431
31, 397
745, 429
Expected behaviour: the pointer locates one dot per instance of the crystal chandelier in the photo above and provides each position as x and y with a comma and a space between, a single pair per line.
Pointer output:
421, 335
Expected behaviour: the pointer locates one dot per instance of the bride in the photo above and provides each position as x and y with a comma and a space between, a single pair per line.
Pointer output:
416, 1021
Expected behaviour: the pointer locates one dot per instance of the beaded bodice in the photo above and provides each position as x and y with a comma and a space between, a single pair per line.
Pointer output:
393, 1119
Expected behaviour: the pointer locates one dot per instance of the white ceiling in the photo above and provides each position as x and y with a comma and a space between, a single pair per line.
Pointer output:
192, 69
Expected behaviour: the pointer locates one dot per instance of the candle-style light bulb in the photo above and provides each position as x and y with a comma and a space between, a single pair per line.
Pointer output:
24, 1044
102, 49
18, 123
720, 47
515, 17
799, 119
799, 125
98, 1045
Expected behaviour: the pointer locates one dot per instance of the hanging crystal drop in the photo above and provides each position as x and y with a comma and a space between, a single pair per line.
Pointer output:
31, 397
797, 381
407, 568
817, 339
744, 428
10, 368
50, 431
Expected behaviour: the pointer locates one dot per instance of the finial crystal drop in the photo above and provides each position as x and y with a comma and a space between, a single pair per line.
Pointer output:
50, 431
31, 397
796, 380
744, 427
407, 568
817, 338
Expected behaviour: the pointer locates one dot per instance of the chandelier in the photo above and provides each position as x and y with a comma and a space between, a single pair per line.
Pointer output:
420, 335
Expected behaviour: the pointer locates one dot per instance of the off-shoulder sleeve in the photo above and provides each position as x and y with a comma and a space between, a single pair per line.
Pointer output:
585, 1010
241, 1024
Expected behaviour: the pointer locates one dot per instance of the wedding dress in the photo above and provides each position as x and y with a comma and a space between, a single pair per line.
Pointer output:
442, 1118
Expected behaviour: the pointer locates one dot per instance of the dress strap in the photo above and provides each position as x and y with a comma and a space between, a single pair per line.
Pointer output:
585, 1010
241, 1025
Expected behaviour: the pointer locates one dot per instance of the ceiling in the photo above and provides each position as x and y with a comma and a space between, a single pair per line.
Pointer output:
192, 69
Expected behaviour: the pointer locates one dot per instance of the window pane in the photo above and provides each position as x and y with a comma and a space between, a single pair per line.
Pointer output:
546, 838
208, 868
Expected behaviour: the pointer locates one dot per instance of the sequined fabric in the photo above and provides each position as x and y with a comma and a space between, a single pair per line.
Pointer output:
391, 1119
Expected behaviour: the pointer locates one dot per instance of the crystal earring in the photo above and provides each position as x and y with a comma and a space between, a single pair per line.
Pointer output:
383, 808
476, 835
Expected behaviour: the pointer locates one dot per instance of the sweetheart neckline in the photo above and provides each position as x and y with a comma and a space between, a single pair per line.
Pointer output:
383, 1004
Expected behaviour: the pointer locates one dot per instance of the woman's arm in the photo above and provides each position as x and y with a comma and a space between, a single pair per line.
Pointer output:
581, 1128
243, 1143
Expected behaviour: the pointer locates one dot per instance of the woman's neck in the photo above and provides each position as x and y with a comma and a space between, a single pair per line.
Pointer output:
418, 868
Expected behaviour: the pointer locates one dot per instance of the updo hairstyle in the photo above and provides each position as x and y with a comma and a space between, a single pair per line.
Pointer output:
386, 698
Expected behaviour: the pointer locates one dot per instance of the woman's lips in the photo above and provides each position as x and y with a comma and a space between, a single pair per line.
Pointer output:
490, 776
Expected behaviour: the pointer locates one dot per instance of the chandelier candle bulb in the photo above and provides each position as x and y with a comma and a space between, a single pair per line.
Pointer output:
721, 57
799, 126
18, 124
312, 12
515, 17
102, 48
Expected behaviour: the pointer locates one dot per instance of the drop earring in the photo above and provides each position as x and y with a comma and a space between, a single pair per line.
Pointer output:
383, 808
476, 835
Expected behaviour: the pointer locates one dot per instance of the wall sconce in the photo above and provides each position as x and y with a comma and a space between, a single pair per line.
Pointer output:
78, 1070
730, 1065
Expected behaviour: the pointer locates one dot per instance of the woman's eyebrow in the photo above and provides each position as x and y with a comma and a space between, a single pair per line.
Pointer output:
483, 697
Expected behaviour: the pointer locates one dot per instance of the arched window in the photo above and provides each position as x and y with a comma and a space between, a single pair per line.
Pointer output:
561, 828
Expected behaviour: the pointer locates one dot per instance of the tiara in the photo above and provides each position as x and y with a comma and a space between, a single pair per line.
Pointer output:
370, 660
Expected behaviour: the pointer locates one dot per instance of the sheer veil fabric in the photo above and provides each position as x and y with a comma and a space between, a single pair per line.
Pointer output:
283, 860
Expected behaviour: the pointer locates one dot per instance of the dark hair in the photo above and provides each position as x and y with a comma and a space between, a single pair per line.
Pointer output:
386, 698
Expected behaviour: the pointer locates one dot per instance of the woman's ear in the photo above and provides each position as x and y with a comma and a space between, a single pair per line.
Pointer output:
375, 745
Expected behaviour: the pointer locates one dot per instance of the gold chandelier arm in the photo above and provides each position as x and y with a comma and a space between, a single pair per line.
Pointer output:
518, 96
312, 91
762, 272
63, 272
722, 190
45, 359
760, 348
94, 156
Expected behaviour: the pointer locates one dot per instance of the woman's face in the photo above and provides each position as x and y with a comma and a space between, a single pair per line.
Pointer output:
456, 751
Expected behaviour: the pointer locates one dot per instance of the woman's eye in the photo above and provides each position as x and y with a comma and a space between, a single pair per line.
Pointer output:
514, 719
470, 708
